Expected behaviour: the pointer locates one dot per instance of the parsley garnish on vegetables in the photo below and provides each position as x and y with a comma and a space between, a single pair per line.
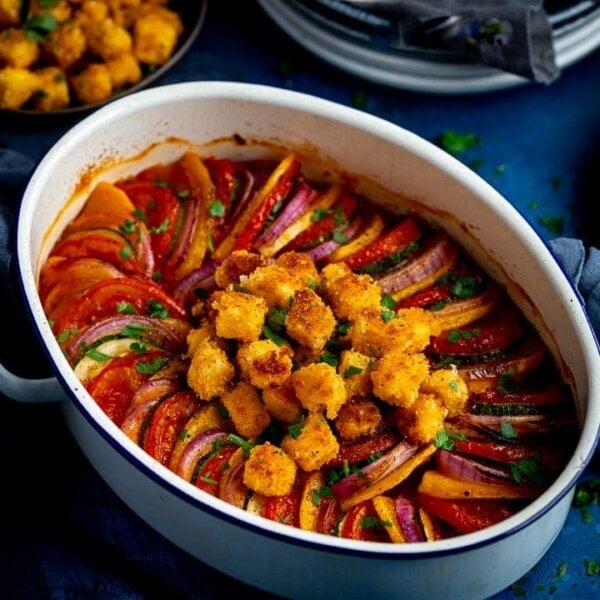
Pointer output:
444, 439
216, 209
271, 335
241, 442
97, 355
370, 522
329, 358
157, 309
125, 252
126, 308
507, 384
530, 469
153, 366
507, 431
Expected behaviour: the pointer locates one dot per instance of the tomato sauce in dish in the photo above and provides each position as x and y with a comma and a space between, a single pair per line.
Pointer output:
296, 350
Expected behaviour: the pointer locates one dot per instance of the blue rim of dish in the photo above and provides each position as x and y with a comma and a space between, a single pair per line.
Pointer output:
192, 15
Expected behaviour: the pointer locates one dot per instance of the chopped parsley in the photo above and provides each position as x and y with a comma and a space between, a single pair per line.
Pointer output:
97, 355
126, 308
157, 309
241, 442
153, 366
216, 209
554, 224
444, 439
352, 370
457, 143
529, 469
295, 428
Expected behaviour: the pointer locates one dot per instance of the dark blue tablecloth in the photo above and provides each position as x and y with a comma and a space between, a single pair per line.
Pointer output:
63, 532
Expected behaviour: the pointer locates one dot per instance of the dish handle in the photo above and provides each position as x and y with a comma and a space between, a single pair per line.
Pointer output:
33, 391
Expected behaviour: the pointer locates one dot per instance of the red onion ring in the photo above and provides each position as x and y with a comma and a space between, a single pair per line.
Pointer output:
199, 447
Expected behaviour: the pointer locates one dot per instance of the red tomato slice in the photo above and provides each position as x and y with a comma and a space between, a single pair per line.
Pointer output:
103, 299
490, 334
167, 421
210, 474
161, 209
318, 232
114, 387
284, 509
330, 513
104, 244
466, 516
362, 522
396, 239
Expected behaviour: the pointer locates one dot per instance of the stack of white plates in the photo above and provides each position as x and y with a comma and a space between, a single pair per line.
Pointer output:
354, 40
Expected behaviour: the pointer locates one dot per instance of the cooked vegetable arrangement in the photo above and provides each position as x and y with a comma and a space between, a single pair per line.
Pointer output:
296, 350
56, 54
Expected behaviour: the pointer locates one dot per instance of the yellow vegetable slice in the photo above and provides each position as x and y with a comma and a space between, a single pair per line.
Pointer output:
106, 197
309, 509
436, 484
386, 510
370, 233
391, 480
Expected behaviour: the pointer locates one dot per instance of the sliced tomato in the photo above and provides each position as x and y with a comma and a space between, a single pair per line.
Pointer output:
490, 334
160, 209
362, 522
104, 244
225, 175
212, 470
329, 515
425, 297
114, 387
166, 424
338, 215
355, 452
467, 516
59, 269
285, 509
104, 298
396, 239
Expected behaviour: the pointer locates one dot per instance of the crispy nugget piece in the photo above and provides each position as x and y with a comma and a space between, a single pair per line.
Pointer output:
274, 284
17, 86
18, 50
250, 417
269, 471
265, 363
281, 402
301, 266
423, 420
352, 294
236, 265
358, 417
210, 370
398, 376
238, 316
449, 388
309, 320
319, 388
314, 446
355, 368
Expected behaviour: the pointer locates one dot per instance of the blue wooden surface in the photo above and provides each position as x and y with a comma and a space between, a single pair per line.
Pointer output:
66, 535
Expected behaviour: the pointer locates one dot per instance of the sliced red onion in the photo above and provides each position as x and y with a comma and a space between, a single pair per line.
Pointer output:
133, 422
295, 207
467, 469
521, 424
153, 389
434, 257
196, 449
163, 333
233, 490
407, 520
323, 250
191, 215
201, 278
368, 475
246, 194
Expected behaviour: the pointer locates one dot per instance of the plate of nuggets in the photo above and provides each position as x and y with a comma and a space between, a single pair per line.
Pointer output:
63, 57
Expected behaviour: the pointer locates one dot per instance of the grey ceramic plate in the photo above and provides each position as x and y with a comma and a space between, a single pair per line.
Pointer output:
358, 41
